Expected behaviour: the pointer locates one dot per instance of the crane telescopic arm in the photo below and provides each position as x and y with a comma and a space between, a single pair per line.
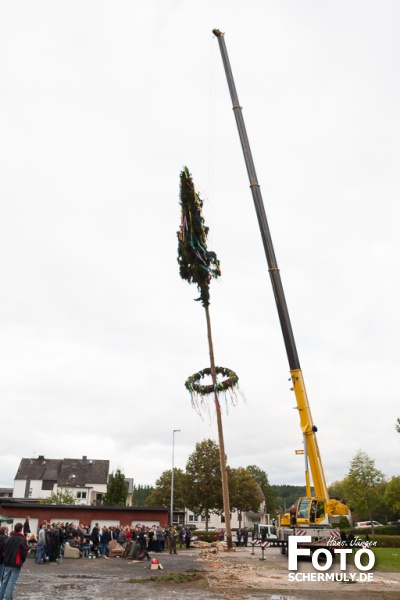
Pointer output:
310, 447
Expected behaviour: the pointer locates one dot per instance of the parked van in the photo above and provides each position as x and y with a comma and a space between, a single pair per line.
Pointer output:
261, 530
362, 524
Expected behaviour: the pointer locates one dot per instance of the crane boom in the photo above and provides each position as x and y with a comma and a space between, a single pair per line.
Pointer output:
311, 450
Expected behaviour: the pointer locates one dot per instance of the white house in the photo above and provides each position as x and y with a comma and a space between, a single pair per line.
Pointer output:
85, 478
245, 519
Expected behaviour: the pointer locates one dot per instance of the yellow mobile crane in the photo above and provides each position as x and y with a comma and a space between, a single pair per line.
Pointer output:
320, 509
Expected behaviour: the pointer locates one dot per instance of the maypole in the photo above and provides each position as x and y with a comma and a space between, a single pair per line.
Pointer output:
199, 265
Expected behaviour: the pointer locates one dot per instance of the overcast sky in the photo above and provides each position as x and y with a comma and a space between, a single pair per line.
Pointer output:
102, 104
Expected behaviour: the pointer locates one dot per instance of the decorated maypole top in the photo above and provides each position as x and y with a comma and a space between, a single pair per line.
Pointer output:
196, 263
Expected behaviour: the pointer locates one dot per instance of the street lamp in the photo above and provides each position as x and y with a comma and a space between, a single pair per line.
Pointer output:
172, 477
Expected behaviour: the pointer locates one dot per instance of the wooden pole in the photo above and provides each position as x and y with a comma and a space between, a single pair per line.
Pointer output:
224, 475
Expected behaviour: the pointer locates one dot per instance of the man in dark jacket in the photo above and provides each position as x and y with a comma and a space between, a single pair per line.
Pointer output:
245, 534
27, 527
15, 551
3, 538
95, 539
188, 537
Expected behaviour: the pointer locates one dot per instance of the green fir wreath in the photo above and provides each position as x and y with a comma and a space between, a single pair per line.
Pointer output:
228, 389
205, 390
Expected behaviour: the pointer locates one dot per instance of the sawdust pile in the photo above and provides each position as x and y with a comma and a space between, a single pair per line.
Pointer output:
223, 572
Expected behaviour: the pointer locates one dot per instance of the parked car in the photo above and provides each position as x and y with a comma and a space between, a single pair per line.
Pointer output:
362, 524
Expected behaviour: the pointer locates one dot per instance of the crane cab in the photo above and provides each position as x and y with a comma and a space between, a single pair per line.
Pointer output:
309, 511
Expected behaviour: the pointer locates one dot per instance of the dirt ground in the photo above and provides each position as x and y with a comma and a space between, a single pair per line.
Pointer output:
239, 575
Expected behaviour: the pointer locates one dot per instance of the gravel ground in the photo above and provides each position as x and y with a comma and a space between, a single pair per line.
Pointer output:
229, 576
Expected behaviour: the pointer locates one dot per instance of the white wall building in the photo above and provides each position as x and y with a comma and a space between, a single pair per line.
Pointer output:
245, 519
85, 478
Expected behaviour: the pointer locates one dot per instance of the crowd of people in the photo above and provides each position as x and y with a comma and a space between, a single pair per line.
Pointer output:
50, 539
49, 542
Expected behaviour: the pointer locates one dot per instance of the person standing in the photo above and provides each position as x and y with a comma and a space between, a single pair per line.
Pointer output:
150, 540
163, 538
313, 510
105, 539
95, 539
54, 544
80, 534
263, 534
40, 556
173, 537
188, 537
15, 551
142, 541
182, 533
293, 517
239, 536
3, 538
121, 539
158, 539
27, 527
245, 536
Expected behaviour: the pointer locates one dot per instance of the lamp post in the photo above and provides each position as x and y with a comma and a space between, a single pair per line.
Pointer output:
172, 477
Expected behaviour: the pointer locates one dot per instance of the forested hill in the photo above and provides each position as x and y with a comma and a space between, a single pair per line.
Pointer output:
286, 495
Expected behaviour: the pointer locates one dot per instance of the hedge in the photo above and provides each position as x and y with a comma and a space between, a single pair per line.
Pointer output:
385, 530
204, 536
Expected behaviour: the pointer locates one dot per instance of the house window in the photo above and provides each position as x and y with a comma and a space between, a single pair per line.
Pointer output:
202, 517
81, 495
193, 518
223, 518
48, 484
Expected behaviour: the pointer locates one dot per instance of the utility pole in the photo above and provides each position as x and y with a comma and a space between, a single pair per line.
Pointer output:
172, 478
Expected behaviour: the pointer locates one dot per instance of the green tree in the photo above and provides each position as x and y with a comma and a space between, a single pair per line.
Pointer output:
61, 496
398, 425
204, 480
161, 494
392, 495
262, 479
117, 490
364, 484
140, 494
338, 489
244, 492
